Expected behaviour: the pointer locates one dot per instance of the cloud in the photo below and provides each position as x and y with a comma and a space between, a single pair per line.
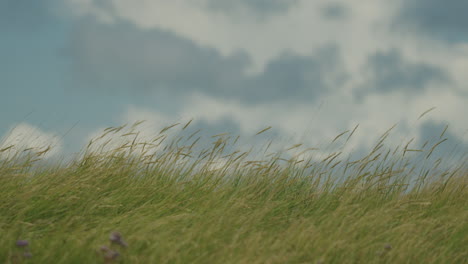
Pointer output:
298, 78
358, 30
27, 137
389, 72
301, 30
335, 11
443, 20
257, 7
122, 56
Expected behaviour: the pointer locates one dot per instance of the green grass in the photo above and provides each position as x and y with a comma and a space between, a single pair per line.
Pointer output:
374, 210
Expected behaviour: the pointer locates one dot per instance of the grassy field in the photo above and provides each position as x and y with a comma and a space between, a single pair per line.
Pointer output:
133, 205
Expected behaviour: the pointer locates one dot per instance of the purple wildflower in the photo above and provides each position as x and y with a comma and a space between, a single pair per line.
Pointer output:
22, 243
116, 237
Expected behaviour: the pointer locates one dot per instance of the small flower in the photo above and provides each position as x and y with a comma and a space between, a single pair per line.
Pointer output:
27, 255
22, 243
116, 237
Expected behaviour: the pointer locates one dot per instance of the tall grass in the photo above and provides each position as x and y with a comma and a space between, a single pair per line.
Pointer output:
176, 203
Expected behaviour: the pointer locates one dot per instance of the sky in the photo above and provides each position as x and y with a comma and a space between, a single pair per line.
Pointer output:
309, 69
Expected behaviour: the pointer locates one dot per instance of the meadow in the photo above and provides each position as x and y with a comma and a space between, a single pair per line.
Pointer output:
133, 204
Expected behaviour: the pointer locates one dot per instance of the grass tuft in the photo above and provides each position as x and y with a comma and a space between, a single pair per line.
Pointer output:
176, 203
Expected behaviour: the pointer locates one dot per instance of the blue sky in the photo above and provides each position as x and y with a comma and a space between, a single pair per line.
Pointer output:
309, 69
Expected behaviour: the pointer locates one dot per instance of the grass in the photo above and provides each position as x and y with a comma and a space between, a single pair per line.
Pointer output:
137, 205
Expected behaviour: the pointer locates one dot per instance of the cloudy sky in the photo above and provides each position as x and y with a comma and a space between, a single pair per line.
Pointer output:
311, 69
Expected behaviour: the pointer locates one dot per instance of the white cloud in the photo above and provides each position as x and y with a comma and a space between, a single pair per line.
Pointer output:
302, 29
24, 137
